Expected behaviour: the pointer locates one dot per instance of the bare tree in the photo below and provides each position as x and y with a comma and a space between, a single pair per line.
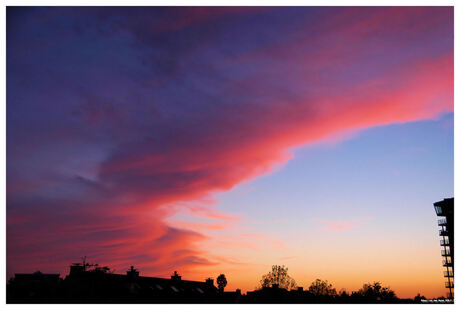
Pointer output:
322, 288
376, 291
278, 276
221, 282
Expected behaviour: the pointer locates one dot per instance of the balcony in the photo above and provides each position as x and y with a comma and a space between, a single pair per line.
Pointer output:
438, 210
443, 233
447, 262
442, 221
444, 242
445, 252
448, 274
449, 285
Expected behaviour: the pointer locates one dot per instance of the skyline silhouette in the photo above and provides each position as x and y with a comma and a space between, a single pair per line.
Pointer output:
91, 283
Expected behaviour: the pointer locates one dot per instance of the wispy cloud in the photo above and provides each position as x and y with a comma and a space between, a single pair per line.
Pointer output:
342, 224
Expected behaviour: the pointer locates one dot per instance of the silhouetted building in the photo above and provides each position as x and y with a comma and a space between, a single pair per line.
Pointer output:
445, 212
90, 283
101, 285
34, 286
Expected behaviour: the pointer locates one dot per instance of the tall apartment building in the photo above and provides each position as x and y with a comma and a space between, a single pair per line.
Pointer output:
445, 212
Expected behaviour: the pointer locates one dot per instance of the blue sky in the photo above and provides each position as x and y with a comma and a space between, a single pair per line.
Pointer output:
391, 170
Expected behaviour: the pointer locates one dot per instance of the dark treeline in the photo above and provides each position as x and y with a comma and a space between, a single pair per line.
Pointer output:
93, 284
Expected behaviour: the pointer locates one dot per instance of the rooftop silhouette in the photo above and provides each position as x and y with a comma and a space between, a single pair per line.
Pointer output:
91, 283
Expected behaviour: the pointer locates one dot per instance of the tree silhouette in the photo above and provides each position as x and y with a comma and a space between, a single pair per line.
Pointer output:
343, 293
322, 288
278, 276
419, 298
376, 291
221, 282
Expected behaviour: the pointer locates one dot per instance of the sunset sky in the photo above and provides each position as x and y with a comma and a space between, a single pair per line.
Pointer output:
229, 139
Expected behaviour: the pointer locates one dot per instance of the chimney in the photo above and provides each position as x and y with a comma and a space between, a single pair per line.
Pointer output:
132, 273
210, 282
176, 276
77, 269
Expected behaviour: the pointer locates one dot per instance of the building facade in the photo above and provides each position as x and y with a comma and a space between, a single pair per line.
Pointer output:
445, 211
